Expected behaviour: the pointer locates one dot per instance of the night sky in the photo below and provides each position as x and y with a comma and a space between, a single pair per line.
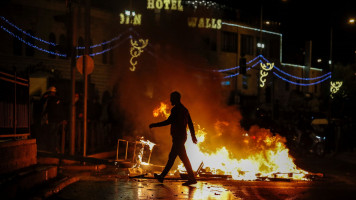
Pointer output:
309, 20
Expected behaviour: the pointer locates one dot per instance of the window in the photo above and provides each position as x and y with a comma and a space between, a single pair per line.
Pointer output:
52, 39
247, 45
30, 51
229, 41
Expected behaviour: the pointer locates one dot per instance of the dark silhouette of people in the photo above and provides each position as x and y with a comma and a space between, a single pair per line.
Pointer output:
53, 118
179, 119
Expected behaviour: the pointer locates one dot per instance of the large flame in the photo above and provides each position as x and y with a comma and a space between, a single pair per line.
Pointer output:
268, 155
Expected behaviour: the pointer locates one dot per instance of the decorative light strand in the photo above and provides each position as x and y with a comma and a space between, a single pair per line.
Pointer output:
335, 86
32, 45
107, 42
232, 75
24, 32
296, 77
140, 36
136, 50
108, 49
58, 54
264, 72
300, 78
54, 44
225, 70
302, 84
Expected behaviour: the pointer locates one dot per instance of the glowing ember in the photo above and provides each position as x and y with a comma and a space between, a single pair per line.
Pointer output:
266, 155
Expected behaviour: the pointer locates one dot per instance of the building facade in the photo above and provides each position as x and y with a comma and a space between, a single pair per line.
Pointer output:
29, 30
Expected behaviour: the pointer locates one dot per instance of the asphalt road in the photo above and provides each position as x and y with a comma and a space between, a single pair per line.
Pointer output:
151, 189
338, 183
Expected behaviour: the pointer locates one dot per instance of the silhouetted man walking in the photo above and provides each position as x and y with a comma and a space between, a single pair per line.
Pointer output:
179, 119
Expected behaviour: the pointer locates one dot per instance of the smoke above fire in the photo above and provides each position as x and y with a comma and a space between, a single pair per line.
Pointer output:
217, 125
141, 91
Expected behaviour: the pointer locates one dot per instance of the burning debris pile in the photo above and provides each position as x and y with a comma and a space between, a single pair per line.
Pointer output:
265, 156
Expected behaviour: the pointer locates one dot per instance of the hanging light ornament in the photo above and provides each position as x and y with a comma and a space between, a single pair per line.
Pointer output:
136, 51
264, 72
334, 87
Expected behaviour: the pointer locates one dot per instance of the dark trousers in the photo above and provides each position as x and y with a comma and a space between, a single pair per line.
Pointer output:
178, 149
53, 136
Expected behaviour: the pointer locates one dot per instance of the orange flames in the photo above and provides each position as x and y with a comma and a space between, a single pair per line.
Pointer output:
139, 157
267, 157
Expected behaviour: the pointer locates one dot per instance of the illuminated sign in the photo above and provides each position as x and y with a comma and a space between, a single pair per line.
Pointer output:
165, 4
130, 18
136, 51
204, 22
264, 72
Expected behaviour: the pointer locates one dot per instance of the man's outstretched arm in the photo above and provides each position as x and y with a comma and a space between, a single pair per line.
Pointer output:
162, 123
159, 124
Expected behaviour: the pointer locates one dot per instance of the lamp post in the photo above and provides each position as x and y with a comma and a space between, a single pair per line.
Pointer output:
352, 21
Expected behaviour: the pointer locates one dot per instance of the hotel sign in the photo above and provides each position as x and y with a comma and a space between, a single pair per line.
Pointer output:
204, 22
165, 4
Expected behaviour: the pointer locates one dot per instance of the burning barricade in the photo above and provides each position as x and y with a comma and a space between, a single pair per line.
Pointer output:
262, 156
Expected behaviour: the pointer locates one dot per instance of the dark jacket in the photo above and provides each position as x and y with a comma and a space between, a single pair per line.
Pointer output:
179, 119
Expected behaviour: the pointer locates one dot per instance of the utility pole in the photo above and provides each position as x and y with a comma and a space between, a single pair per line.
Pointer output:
72, 34
331, 65
260, 53
86, 53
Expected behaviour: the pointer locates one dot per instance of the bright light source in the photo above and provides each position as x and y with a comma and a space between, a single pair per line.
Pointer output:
319, 60
133, 13
351, 21
329, 62
267, 22
259, 45
127, 12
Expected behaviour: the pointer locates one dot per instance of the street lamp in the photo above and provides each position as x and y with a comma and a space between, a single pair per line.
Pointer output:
351, 21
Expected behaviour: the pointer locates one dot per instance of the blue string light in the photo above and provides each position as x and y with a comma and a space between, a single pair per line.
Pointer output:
307, 79
24, 32
232, 75
31, 45
229, 69
107, 42
296, 77
54, 44
302, 84
108, 49
63, 55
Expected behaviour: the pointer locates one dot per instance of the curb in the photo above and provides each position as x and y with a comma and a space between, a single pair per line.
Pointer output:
57, 187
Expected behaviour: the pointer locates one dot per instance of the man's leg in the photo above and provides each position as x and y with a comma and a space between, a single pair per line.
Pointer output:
184, 157
172, 157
